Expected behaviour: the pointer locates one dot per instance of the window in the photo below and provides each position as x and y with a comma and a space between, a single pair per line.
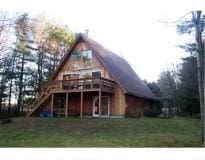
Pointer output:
76, 60
70, 76
87, 75
82, 59
96, 74
86, 59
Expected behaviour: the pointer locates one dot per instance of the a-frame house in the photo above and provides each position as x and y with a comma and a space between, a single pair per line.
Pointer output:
93, 81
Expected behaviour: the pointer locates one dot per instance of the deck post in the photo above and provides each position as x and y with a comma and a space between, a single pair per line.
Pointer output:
66, 105
81, 104
52, 97
100, 95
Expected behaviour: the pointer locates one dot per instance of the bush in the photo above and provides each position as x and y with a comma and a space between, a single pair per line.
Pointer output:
153, 111
133, 112
196, 116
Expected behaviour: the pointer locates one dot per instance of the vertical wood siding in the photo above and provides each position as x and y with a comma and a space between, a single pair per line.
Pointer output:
135, 106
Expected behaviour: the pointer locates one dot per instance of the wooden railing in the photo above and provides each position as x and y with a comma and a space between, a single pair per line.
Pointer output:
41, 98
83, 84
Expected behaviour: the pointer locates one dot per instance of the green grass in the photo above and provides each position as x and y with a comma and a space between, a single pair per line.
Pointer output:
91, 132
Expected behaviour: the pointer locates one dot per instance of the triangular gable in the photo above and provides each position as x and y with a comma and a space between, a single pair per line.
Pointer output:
117, 67
79, 38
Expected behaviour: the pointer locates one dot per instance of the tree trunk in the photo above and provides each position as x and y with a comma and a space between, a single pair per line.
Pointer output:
169, 109
40, 74
0, 103
10, 90
200, 66
0, 98
1, 90
203, 107
54, 63
11, 85
20, 85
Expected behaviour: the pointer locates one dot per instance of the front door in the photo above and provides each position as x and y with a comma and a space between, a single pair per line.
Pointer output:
105, 106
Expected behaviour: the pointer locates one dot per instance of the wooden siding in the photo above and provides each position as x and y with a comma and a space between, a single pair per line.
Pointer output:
118, 102
136, 106
74, 104
95, 63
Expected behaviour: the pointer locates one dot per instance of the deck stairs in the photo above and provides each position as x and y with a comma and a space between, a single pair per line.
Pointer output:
43, 96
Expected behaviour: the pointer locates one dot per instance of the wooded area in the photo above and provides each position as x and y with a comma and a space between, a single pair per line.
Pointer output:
31, 48
183, 84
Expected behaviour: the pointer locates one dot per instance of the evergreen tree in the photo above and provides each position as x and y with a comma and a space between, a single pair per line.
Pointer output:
188, 87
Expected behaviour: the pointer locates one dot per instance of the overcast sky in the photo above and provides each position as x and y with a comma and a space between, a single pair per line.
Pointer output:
130, 28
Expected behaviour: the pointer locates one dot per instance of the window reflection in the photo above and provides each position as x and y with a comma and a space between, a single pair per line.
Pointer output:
82, 59
87, 75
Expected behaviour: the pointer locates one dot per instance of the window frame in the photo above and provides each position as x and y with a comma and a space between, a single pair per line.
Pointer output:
82, 64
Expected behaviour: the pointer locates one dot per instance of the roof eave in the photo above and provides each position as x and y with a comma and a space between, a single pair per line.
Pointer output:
140, 96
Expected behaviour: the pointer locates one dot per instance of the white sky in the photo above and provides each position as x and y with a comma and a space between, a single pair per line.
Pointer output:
129, 28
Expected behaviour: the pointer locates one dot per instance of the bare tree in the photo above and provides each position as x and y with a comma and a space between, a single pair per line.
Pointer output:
5, 24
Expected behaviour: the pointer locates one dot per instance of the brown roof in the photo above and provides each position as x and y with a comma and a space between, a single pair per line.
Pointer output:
117, 66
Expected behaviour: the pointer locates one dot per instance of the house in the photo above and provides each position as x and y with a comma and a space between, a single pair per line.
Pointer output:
93, 81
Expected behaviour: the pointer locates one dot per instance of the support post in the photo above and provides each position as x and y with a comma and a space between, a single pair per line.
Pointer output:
52, 98
66, 105
81, 104
100, 95
100, 92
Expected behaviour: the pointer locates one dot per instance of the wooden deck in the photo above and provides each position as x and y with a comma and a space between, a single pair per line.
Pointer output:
71, 86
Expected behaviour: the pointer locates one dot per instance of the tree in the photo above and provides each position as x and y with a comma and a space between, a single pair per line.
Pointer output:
59, 40
40, 35
36, 48
167, 84
153, 86
188, 86
12, 76
198, 23
51, 43
5, 25
22, 29
3, 74
168, 88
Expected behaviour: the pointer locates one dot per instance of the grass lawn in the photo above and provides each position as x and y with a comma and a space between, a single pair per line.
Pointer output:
91, 132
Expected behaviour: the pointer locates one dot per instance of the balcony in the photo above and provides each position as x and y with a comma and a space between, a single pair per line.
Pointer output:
84, 84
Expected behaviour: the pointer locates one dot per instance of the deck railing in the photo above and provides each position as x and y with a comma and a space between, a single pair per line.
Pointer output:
83, 84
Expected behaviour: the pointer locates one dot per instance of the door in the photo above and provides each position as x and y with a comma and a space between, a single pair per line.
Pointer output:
105, 106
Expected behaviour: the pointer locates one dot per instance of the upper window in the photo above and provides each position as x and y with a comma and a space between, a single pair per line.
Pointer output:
96, 74
81, 59
70, 76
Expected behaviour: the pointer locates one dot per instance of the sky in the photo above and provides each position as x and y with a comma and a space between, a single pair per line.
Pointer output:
132, 29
